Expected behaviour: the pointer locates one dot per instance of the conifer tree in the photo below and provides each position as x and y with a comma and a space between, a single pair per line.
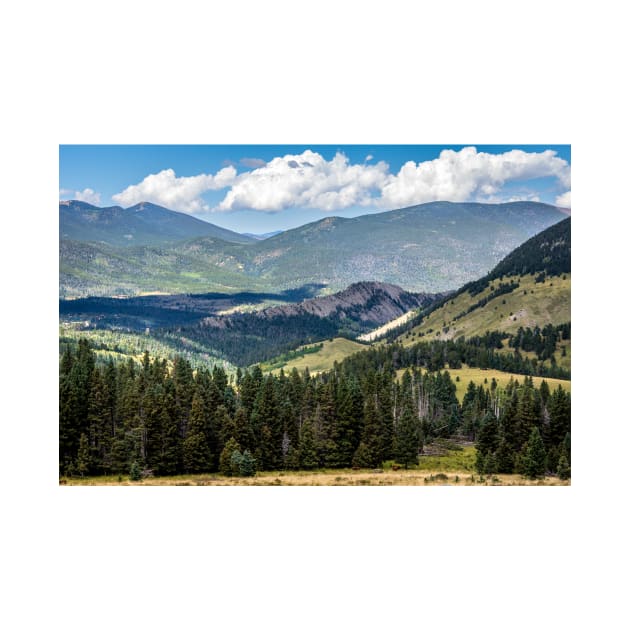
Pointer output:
99, 422
533, 463
407, 438
225, 460
559, 415
197, 455
247, 465
308, 456
564, 470
83, 457
488, 436
267, 423
362, 457
348, 421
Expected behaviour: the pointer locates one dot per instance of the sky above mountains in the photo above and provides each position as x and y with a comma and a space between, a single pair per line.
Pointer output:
258, 188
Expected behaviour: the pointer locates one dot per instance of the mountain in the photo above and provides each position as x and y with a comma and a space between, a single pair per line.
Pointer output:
529, 288
431, 247
142, 224
99, 269
246, 338
428, 248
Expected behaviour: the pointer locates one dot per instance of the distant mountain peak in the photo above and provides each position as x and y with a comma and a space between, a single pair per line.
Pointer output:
146, 223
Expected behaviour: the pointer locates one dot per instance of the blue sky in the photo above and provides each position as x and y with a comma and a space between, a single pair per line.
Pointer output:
260, 188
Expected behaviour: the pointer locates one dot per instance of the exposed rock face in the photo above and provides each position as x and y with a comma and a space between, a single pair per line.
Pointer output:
371, 303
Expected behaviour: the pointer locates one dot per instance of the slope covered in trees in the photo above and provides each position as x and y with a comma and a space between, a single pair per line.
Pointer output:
151, 420
431, 247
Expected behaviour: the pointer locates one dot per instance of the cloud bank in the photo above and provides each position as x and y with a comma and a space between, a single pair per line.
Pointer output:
308, 180
176, 193
468, 175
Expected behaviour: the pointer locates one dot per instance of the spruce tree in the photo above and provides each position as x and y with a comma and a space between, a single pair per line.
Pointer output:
197, 455
533, 462
407, 438
308, 456
564, 470
83, 457
247, 465
362, 457
225, 460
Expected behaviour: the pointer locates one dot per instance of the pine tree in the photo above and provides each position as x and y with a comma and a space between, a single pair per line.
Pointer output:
564, 470
83, 457
488, 436
308, 457
235, 463
225, 460
348, 421
247, 466
407, 439
362, 457
134, 472
559, 415
268, 426
533, 463
197, 455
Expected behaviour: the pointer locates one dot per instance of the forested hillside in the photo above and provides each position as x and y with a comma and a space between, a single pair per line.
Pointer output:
152, 421
427, 248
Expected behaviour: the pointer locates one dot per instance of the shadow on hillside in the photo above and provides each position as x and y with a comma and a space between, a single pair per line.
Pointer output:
156, 311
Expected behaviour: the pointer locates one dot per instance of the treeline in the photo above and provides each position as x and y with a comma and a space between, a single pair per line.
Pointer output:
151, 420
479, 351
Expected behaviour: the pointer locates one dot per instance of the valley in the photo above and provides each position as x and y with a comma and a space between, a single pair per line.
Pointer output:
280, 364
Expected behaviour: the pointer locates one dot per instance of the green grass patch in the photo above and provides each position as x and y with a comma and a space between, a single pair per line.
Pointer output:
480, 376
531, 304
319, 357
452, 460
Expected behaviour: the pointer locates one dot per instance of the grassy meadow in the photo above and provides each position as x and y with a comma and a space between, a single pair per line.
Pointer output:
532, 304
449, 465
333, 350
480, 376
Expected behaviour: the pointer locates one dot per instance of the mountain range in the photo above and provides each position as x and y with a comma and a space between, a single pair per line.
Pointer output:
431, 247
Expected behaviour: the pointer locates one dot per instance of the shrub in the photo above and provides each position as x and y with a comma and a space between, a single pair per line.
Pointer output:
225, 459
247, 465
235, 463
564, 470
135, 474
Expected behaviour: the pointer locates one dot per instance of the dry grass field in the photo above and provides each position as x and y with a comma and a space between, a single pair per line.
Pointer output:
454, 467
330, 478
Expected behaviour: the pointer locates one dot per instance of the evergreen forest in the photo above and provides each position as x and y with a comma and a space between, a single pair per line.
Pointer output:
381, 404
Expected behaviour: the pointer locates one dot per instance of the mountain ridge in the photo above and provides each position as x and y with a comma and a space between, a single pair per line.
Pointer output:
426, 248
144, 223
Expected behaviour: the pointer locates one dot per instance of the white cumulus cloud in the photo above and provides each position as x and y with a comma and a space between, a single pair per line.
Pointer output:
176, 193
463, 175
564, 200
306, 181
87, 195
